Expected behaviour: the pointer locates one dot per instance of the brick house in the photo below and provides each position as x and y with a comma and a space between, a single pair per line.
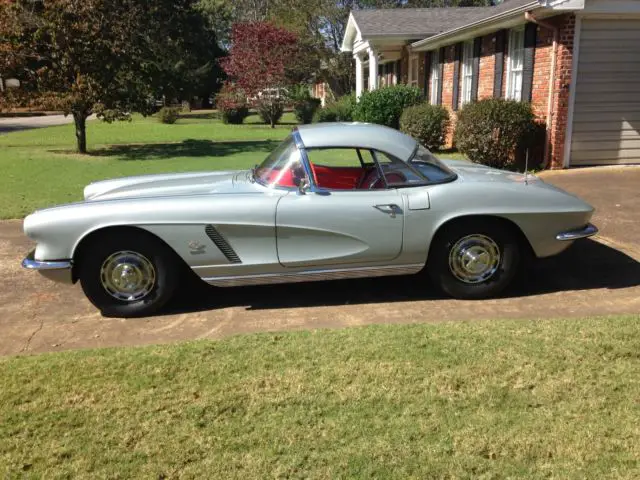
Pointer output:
576, 61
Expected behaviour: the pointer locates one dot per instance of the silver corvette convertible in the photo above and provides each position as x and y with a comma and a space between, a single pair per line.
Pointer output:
332, 201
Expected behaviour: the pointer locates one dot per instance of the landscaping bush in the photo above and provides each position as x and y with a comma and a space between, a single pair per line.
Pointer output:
304, 105
426, 123
168, 115
340, 110
491, 131
270, 110
232, 104
385, 105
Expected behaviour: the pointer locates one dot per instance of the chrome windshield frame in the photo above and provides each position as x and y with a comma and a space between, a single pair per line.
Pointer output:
304, 158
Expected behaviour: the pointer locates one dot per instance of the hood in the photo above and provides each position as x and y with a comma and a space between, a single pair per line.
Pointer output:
192, 183
474, 172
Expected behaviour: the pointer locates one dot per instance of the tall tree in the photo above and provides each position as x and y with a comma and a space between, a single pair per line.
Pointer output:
261, 59
108, 57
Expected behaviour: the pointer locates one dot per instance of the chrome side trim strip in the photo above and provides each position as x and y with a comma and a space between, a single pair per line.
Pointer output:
313, 275
31, 264
584, 232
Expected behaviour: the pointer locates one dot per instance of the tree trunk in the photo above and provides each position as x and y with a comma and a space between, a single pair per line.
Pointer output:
80, 120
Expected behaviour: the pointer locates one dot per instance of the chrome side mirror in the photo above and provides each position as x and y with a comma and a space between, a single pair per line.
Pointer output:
303, 186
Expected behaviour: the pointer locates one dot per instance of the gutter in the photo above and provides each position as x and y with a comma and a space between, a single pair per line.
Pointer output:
434, 41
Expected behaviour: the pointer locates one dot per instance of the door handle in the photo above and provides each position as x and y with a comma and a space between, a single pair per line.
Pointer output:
390, 209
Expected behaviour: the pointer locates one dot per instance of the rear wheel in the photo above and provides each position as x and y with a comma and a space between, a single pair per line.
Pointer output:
474, 259
128, 274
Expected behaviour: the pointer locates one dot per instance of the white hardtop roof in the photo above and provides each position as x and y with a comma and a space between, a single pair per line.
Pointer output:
362, 135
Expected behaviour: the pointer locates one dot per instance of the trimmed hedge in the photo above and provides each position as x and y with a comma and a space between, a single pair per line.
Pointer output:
492, 131
304, 105
384, 106
232, 104
426, 123
270, 110
168, 115
339, 111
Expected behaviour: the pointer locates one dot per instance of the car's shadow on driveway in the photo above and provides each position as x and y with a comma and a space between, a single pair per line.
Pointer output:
587, 265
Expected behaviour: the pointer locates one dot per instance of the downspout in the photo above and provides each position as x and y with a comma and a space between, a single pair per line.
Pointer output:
552, 81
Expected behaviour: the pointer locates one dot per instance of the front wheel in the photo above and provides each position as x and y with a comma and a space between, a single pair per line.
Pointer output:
474, 259
128, 275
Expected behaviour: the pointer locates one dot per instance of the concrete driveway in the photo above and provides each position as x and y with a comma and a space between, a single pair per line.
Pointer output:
12, 124
598, 277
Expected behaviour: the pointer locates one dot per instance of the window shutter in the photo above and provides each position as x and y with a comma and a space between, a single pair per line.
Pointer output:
477, 50
441, 76
427, 70
530, 32
399, 72
456, 77
501, 41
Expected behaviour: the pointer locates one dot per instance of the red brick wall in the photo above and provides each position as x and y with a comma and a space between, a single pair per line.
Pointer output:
541, 78
405, 65
487, 67
564, 59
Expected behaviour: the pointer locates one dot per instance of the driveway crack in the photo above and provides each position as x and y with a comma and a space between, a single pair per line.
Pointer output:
33, 334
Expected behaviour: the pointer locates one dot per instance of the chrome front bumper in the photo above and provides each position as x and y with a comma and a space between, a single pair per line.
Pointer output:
58, 271
584, 232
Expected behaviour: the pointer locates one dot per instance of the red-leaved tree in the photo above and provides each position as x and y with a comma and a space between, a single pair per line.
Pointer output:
260, 58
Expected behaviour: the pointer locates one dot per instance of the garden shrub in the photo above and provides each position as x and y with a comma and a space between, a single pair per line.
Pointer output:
384, 106
270, 110
492, 131
168, 115
340, 110
304, 105
426, 123
232, 104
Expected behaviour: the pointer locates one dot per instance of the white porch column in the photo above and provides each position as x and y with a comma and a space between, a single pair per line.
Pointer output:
373, 69
359, 75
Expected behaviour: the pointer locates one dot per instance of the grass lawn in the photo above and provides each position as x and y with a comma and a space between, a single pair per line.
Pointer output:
501, 399
39, 167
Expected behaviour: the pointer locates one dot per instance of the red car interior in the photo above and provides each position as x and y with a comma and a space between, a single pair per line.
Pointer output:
338, 178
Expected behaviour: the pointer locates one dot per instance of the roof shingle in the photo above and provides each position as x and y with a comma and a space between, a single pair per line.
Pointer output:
424, 22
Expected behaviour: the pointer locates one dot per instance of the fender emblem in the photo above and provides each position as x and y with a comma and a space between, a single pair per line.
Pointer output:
196, 247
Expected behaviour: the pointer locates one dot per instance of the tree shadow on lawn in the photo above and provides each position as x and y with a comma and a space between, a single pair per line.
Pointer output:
605, 268
186, 148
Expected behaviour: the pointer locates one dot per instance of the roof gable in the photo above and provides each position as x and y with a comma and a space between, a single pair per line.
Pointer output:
417, 23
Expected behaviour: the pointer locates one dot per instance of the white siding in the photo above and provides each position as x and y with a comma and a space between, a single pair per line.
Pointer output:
606, 122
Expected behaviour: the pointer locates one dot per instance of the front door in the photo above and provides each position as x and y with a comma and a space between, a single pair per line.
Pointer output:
339, 228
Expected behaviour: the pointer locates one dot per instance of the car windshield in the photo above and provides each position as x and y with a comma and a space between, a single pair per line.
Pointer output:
433, 169
282, 167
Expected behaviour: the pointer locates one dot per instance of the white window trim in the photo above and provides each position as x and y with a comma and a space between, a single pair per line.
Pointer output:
434, 86
515, 35
413, 76
467, 72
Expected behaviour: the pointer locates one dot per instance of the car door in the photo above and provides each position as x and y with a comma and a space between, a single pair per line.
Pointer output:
350, 226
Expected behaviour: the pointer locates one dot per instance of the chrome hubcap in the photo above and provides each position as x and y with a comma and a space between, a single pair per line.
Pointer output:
474, 259
127, 276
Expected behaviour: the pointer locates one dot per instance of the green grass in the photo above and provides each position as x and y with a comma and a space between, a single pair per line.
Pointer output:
501, 399
39, 167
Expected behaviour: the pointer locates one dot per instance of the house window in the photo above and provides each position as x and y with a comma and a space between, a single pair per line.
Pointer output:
467, 72
413, 70
435, 78
515, 64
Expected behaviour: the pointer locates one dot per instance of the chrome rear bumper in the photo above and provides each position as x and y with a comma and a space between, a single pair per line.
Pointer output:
58, 270
584, 232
